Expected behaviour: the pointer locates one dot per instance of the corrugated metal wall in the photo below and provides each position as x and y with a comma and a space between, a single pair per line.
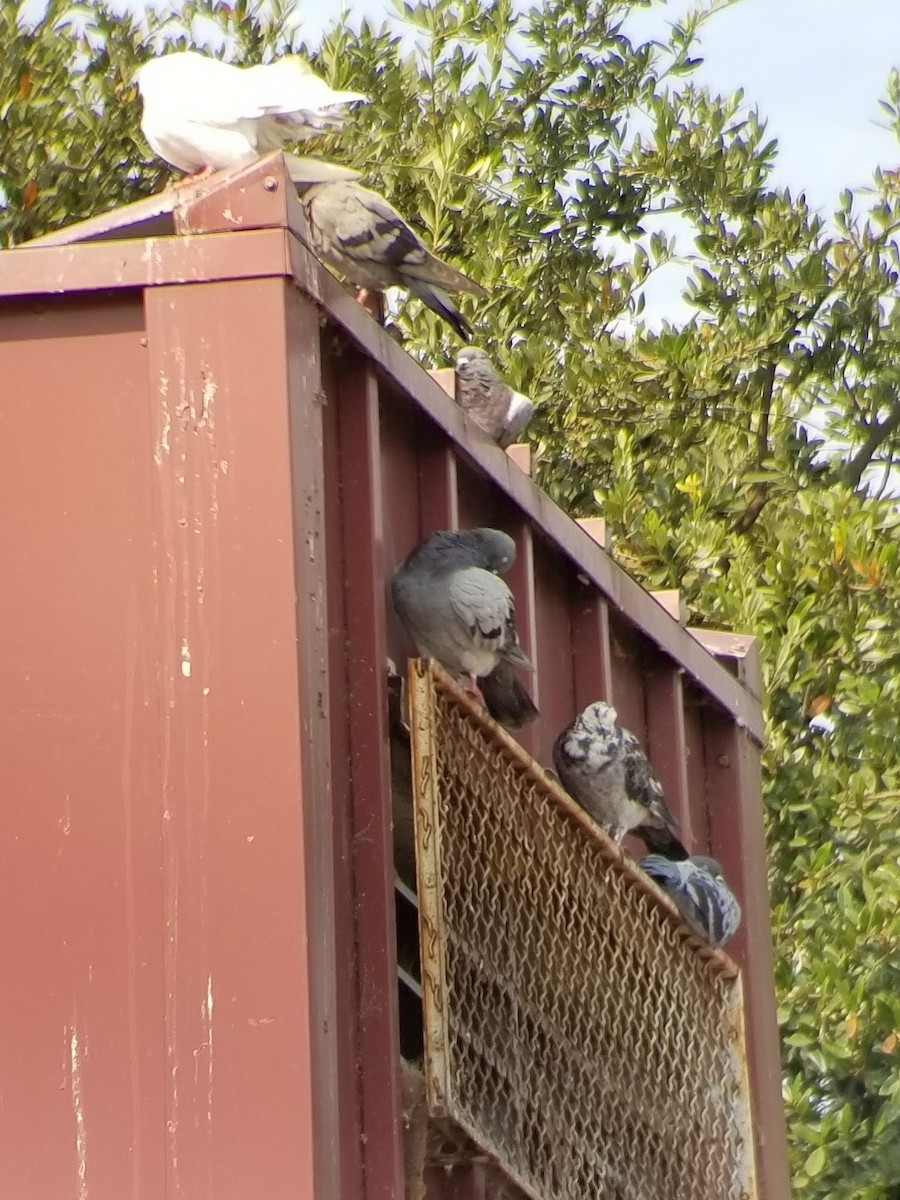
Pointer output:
210, 461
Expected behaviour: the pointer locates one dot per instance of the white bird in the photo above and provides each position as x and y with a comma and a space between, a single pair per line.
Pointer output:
201, 114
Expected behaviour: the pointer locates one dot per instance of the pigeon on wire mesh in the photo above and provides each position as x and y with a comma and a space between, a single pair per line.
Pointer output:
491, 403
449, 595
604, 768
698, 888
204, 115
357, 232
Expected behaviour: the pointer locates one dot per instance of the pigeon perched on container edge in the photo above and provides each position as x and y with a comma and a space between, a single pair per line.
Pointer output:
357, 232
449, 595
491, 403
698, 888
604, 768
200, 114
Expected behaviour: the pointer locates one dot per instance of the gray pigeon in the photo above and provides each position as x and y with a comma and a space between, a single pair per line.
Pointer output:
602, 766
449, 595
698, 887
357, 232
491, 403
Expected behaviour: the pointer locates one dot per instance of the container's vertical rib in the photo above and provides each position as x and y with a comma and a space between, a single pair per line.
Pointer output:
359, 660
426, 802
590, 646
352, 1182
667, 744
735, 813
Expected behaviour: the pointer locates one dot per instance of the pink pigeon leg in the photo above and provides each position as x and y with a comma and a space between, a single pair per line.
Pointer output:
471, 686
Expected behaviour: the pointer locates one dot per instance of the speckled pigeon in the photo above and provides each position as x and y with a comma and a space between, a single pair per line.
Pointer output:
491, 403
604, 768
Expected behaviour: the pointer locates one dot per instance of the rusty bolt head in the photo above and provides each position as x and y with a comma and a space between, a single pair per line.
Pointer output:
270, 183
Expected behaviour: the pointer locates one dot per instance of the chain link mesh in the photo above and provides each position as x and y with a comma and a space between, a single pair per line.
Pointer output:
574, 1028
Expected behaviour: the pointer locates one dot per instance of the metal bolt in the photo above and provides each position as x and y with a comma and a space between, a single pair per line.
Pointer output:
270, 183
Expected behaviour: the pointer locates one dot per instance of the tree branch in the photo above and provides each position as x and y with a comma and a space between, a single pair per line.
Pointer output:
879, 433
759, 492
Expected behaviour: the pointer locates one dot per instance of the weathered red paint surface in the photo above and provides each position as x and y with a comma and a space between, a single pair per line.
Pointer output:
213, 459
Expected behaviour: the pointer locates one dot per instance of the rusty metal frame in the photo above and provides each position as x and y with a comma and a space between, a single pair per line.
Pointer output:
426, 681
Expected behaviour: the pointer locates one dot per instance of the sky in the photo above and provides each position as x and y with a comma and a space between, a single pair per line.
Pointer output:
815, 71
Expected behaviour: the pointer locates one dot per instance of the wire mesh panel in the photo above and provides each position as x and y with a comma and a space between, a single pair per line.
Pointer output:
575, 1028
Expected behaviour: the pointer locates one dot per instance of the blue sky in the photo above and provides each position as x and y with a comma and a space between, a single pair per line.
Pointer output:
814, 68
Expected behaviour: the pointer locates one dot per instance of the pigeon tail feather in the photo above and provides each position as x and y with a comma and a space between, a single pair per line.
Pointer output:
516, 655
441, 304
506, 700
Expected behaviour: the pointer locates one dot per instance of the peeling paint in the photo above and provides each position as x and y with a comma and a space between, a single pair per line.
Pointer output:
76, 1052
163, 445
208, 395
206, 1017
185, 659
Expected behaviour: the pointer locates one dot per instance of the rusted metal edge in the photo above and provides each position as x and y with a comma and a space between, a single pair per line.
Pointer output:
591, 560
490, 1154
428, 876
742, 649
158, 215
143, 262
716, 960
745, 1099
151, 212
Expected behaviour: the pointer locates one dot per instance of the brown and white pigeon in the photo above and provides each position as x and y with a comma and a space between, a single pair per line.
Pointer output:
356, 231
491, 403
449, 595
604, 768
698, 887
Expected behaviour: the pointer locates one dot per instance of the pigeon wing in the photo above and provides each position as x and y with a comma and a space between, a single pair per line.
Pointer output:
288, 88
483, 605
518, 417
370, 231
197, 89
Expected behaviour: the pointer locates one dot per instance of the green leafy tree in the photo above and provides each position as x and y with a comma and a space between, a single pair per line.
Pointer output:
549, 152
